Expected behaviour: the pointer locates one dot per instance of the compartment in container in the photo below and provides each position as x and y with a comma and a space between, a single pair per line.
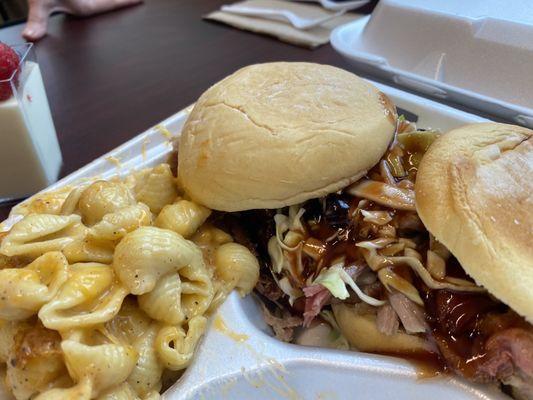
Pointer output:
477, 53
238, 357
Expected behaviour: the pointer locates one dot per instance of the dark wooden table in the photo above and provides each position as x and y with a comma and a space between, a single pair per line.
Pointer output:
110, 77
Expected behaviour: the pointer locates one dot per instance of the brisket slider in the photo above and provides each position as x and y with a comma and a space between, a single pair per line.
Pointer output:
474, 193
276, 134
328, 174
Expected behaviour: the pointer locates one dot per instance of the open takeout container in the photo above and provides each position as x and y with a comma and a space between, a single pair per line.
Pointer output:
477, 53
239, 358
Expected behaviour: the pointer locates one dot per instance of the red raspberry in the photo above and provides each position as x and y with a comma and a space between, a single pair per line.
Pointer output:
9, 61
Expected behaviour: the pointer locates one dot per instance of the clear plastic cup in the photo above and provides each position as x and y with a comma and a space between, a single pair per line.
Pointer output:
30, 157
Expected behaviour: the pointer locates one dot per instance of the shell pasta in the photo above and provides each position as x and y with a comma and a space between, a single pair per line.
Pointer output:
106, 288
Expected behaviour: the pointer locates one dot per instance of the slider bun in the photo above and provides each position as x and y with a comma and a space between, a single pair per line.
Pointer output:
474, 193
277, 134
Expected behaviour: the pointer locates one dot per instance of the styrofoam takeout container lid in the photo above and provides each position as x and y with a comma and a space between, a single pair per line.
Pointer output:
478, 52
238, 358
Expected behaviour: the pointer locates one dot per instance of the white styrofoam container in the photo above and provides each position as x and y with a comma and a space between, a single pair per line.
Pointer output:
477, 52
258, 366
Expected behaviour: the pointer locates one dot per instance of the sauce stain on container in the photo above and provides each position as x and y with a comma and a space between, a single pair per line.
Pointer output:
115, 161
221, 326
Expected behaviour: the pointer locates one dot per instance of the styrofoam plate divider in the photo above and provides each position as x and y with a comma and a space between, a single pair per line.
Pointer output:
261, 367
239, 359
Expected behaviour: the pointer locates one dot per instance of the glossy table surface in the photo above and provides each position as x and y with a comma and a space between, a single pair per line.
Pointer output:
112, 76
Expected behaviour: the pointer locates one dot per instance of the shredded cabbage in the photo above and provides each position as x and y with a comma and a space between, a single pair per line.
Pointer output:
378, 243
436, 265
276, 254
396, 166
292, 239
330, 278
335, 279
295, 222
384, 194
376, 262
390, 280
407, 243
290, 291
386, 173
282, 226
376, 217
410, 252
282, 223
438, 247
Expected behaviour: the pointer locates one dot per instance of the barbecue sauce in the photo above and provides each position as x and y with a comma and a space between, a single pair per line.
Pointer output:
459, 323
427, 364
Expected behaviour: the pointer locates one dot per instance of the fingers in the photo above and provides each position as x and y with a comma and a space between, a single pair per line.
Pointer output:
90, 7
40, 11
37, 20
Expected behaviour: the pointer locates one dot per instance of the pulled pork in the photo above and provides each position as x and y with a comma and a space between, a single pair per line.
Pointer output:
387, 320
283, 325
509, 359
410, 313
316, 297
366, 244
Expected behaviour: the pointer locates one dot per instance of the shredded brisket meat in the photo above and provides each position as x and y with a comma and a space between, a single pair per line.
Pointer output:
316, 297
508, 352
373, 231
282, 325
387, 320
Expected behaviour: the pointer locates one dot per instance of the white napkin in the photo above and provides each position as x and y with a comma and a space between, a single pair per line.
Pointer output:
284, 31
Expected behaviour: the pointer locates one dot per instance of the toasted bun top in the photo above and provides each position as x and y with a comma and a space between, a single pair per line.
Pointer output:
474, 193
277, 134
